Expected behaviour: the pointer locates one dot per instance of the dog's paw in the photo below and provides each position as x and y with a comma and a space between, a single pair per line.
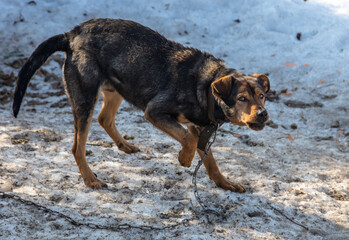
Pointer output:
226, 184
185, 158
128, 147
95, 184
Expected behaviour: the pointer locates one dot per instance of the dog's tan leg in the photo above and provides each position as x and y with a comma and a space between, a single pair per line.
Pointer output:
214, 174
213, 170
79, 152
170, 126
106, 118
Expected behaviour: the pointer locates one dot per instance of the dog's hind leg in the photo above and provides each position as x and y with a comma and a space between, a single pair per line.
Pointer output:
83, 89
213, 170
106, 118
82, 125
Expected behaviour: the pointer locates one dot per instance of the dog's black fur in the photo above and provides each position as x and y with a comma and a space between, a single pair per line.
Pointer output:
168, 81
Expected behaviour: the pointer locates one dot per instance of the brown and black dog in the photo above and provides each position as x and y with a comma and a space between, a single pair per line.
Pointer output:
171, 83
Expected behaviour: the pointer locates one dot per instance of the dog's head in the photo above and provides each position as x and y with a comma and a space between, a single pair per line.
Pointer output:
242, 99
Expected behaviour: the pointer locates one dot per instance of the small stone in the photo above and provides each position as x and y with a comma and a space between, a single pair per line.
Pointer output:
6, 186
294, 126
335, 124
107, 144
127, 137
299, 35
272, 124
89, 153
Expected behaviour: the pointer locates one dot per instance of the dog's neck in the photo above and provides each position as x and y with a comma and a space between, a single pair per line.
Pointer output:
215, 111
213, 69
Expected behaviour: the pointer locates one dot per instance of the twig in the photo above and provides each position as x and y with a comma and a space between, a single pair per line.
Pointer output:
291, 220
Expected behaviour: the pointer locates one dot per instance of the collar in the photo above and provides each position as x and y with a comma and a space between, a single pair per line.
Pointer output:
207, 132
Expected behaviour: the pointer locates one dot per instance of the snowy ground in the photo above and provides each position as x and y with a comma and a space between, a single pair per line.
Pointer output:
298, 166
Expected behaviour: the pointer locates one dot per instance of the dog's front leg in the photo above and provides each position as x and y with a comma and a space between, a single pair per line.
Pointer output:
166, 123
214, 174
213, 170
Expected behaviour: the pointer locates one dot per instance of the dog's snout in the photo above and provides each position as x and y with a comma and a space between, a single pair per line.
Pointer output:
262, 115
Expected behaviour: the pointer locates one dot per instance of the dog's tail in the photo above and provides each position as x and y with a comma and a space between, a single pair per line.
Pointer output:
38, 57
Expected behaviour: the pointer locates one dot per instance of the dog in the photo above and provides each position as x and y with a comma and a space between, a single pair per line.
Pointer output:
176, 86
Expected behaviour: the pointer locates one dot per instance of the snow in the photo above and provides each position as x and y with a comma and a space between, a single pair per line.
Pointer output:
302, 172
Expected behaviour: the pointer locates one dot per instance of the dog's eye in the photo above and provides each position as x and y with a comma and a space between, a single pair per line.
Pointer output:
261, 96
242, 99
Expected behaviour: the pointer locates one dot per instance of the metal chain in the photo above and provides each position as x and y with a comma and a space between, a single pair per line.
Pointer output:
201, 161
209, 210
112, 227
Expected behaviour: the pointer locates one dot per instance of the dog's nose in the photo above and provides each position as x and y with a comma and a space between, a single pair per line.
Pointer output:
262, 115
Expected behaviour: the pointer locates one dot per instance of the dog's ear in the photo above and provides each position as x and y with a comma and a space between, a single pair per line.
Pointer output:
221, 87
263, 81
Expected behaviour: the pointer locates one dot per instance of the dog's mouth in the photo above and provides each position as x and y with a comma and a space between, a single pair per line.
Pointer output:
256, 126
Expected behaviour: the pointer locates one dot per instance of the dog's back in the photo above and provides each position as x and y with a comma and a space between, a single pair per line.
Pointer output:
138, 61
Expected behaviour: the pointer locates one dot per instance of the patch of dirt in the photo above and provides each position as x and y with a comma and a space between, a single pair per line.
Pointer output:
127, 137
61, 103
21, 138
301, 104
7, 79
328, 97
48, 135
89, 153
44, 135
247, 140
271, 124
36, 103
273, 96
340, 196
106, 144
328, 138
17, 63
5, 96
